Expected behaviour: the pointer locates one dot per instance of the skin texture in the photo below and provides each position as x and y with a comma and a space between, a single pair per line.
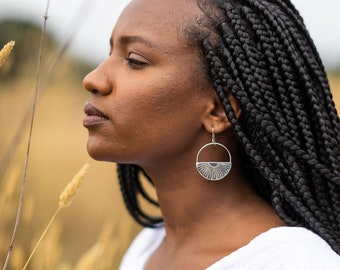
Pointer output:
157, 110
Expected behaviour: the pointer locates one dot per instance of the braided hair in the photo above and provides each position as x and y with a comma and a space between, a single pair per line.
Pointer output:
261, 52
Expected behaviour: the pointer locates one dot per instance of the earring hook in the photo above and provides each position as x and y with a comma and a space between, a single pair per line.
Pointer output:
213, 134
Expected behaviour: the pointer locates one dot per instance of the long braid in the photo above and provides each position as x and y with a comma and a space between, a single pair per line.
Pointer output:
307, 134
131, 187
294, 145
290, 36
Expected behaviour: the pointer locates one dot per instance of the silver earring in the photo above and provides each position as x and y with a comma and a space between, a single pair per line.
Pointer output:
213, 170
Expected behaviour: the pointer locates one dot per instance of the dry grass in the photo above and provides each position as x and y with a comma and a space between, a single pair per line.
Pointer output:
5, 52
65, 199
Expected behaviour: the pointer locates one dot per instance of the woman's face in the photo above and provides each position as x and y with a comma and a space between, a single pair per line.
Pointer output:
147, 97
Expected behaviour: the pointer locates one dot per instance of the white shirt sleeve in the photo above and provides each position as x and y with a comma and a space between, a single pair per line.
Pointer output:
284, 248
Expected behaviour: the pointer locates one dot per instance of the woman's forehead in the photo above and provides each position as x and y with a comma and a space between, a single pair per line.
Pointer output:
161, 12
156, 18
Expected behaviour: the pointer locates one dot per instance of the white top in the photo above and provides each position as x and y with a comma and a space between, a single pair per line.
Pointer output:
284, 248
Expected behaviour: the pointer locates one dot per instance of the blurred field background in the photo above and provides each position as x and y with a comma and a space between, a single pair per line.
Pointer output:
95, 230
95, 224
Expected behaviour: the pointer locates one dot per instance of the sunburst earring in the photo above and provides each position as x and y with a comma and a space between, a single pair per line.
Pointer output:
213, 170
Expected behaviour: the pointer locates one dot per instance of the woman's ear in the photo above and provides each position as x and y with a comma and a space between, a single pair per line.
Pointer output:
215, 115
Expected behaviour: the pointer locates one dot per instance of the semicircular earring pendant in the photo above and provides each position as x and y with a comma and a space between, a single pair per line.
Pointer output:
213, 170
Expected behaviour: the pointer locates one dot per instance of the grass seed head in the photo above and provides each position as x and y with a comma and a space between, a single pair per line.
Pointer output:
68, 193
5, 52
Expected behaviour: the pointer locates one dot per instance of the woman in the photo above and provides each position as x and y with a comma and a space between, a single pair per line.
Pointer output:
225, 107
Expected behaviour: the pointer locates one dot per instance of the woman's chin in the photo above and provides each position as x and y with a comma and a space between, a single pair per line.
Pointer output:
97, 151
100, 151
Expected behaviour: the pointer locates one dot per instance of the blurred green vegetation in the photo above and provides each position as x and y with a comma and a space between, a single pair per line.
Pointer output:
27, 37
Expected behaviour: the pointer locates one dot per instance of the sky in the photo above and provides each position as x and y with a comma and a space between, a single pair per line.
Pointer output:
90, 23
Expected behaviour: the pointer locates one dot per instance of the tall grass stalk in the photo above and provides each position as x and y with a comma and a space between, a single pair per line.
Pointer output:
22, 193
65, 200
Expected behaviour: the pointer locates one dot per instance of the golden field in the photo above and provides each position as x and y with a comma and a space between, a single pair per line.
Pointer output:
95, 230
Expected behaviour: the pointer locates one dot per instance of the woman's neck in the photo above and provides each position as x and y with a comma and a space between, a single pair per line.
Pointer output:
192, 206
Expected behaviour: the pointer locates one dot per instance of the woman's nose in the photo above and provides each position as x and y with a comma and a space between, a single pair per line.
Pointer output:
97, 81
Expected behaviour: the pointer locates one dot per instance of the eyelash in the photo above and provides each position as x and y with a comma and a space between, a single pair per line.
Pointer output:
133, 63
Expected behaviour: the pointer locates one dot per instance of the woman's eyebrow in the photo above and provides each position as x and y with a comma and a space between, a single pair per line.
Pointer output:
125, 40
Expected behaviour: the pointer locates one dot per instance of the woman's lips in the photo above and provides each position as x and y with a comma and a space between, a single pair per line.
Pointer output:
93, 116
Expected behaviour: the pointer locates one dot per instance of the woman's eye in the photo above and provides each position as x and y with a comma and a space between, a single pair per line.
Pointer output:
136, 61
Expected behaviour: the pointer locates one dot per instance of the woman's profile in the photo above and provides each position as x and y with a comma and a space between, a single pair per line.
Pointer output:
225, 107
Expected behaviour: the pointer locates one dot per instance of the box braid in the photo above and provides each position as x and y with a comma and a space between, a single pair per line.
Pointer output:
261, 52
131, 186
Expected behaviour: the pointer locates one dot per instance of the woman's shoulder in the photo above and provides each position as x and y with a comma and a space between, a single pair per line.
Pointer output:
301, 241
283, 248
